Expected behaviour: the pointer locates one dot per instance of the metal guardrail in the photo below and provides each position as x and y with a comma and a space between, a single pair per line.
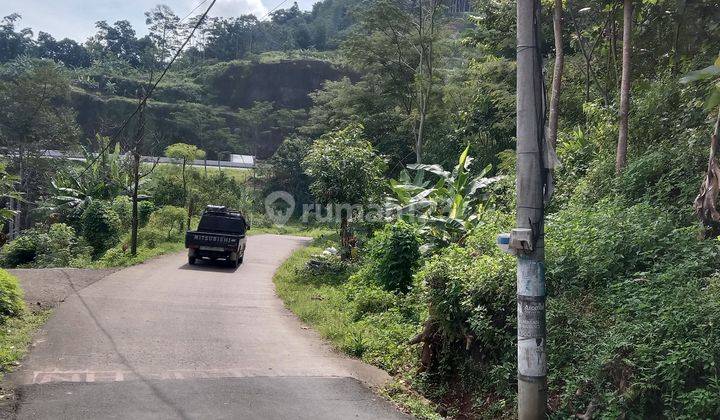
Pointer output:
57, 154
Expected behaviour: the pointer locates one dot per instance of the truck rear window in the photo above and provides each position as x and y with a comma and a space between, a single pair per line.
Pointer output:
221, 224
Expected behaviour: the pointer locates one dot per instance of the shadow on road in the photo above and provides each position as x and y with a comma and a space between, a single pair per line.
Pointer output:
216, 267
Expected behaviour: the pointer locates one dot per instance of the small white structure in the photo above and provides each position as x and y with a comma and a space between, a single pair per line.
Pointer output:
243, 159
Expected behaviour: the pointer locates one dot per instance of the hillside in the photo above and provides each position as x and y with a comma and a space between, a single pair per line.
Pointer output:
238, 106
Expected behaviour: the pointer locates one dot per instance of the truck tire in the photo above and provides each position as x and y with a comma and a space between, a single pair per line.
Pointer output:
191, 260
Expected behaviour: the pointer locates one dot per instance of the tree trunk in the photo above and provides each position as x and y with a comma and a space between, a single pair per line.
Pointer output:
19, 225
344, 236
135, 218
622, 145
185, 192
419, 140
682, 9
136, 178
557, 75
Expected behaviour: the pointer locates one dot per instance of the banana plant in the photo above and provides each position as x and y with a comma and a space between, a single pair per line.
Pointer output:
447, 210
106, 178
706, 203
7, 193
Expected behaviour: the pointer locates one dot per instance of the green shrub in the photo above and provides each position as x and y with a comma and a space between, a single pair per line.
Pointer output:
170, 219
260, 220
145, 210
166, 187
57, 246
151, 237
11, 296
21, 251
394, 253
219, 188
61, 248
608, 241
631, 313
365, 296
114, 257
101, 226
122, 205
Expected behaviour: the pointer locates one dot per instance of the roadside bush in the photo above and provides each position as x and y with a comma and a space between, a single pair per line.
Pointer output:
365, 296
607, 242
122, 205
632, 306
145, 210
61, 248
259, 220
151, 237
21, 251
393, 254
166, 187
101, 227
170, 219
58, 246
219, 188
11, 296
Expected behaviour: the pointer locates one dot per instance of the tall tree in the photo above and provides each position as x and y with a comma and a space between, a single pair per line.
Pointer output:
13, 44
185, 154
622, 144
34, 117
345, 172
400, 42
166, 32
118, 41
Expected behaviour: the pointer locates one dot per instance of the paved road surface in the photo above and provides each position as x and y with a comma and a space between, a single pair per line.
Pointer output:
167, 340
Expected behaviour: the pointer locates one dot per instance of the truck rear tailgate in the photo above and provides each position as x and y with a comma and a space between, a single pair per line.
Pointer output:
211, 240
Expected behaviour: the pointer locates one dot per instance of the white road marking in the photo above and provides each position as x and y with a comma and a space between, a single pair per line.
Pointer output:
88, 376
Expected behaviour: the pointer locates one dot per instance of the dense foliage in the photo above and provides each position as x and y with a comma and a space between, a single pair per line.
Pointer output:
633, 290
11, 303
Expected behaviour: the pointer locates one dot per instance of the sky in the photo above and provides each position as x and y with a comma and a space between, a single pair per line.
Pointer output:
76, 19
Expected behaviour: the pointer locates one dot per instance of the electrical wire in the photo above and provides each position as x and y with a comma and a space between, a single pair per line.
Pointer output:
273, 9
193, 10
150, 91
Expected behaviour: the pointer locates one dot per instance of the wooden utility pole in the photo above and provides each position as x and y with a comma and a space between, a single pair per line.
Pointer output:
622, 145
532, 364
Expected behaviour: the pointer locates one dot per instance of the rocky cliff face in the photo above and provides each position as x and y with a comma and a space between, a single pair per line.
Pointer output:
285, 83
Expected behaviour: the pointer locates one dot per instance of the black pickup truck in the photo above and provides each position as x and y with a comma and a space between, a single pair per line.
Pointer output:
220, 235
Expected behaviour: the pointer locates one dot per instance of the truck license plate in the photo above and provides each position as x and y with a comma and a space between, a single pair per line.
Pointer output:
212, 248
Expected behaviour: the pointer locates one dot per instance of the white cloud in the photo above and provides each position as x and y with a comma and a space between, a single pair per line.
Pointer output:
232, 8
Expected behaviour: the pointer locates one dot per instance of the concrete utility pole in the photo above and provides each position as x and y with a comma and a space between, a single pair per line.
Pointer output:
528, 238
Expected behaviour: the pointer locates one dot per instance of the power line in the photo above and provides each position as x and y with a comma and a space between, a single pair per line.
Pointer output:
193, 10
273, 9
150, 91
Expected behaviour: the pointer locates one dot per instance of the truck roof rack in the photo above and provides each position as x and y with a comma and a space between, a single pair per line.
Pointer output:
223, 210
216, 209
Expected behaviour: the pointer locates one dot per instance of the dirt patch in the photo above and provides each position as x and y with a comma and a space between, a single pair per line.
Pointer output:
45, 288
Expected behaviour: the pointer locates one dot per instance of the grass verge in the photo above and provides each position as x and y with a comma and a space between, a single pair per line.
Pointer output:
117, 257
15, 337
321, 300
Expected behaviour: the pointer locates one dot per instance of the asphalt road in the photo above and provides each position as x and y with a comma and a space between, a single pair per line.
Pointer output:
167, 340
